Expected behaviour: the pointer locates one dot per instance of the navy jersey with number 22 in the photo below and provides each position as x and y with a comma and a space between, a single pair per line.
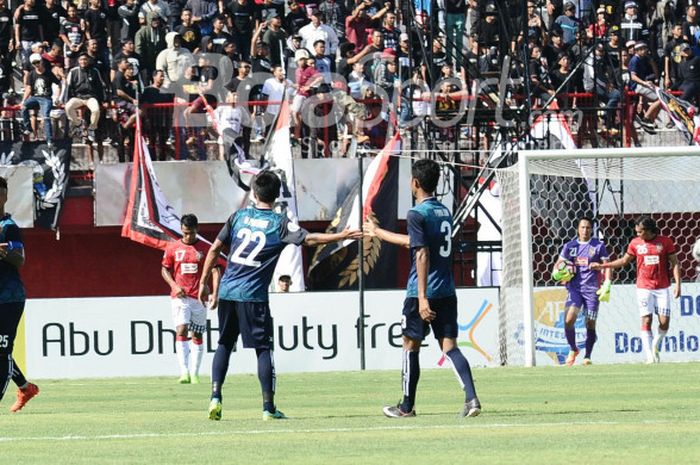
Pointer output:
255, 238
430, 225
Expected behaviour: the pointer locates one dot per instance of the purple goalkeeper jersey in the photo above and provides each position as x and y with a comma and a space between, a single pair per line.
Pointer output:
581, 254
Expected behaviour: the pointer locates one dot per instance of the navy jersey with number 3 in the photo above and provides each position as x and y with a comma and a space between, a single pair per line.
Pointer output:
255, 238
430, 225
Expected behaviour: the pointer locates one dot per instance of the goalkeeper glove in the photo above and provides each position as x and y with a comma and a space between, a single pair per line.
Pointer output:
604, 291
563, 275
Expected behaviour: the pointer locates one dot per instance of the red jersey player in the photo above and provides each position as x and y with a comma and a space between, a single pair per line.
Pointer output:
182, 269
654, 254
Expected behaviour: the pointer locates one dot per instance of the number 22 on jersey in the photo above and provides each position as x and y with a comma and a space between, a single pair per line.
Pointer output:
247, 236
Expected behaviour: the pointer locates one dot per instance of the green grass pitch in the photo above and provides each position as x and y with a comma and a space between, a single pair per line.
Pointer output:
624, 414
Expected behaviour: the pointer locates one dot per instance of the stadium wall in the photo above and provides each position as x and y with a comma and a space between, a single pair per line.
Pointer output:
132, 336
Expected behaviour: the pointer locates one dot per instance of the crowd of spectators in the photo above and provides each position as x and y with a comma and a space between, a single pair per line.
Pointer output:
198, 63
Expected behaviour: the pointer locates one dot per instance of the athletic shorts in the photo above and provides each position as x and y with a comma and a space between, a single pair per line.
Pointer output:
654, 301
251, 320
588, 301
444, 324
189, 312
10, 314
297, 103
646, 92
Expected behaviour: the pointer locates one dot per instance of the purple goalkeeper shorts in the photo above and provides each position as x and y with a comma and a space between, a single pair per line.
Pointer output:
587, 300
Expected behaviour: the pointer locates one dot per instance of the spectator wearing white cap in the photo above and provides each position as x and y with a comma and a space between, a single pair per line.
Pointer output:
632, 26
38, 94
598, 28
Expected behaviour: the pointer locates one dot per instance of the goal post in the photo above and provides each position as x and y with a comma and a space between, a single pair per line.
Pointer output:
542, 198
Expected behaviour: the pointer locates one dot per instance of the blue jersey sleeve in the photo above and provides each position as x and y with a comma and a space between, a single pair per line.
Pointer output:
292, 233
415, 223
12, 236
225, 233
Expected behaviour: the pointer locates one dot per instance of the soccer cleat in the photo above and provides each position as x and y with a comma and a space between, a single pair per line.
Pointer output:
396, 412
571, 358
184, 379
194, 379
215, 410
471, 408
650, 359
24, 396
276, 415
587, 361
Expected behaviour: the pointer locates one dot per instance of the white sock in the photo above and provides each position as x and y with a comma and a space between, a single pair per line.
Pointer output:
196, 353
182, 349
658, 339
646, 343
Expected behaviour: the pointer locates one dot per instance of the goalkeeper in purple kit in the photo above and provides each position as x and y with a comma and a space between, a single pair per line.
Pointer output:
585, 290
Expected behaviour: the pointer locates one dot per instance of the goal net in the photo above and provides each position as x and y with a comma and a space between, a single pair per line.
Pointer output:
543, 196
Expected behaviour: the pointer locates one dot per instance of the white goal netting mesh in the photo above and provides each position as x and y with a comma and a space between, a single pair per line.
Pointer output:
614, 192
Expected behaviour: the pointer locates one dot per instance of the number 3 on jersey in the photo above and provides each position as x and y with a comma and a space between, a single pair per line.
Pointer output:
446, 248
247, 236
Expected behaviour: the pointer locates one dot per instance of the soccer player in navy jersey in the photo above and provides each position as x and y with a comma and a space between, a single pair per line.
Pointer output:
255, 237
431, 300
12, 298
584, 288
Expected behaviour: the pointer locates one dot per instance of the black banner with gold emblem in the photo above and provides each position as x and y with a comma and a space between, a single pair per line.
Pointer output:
335, 266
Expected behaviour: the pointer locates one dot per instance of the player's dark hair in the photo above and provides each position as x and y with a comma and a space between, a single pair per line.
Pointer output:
189, 221
285, 277
647, 224
3, 183
585, 218
427, 173
267, 186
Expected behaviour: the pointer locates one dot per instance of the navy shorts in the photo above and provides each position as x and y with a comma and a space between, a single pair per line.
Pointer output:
444, 324
10, 314
251, 320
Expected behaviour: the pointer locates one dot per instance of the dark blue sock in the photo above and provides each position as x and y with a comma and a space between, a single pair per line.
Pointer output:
464, 373
266, 375
591, 337
410, 373
570, 336
17, 376
5, 372
218, 369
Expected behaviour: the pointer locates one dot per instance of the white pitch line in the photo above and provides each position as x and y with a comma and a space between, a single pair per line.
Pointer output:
102, 437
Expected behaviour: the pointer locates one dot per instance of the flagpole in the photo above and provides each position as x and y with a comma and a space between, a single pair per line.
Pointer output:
361, 269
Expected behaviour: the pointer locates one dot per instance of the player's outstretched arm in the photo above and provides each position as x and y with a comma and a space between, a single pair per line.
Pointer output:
619, 263
209, 263
370, 229
326, 238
